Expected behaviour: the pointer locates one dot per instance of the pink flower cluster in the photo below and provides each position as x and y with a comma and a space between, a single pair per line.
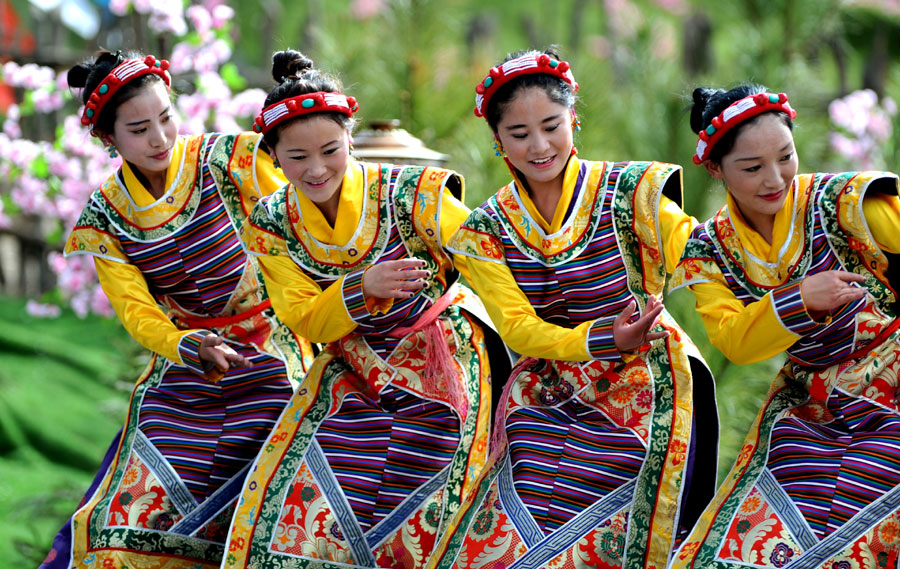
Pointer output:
864, 125
53, 180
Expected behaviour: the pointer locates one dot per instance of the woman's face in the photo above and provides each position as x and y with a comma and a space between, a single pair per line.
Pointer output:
760, 169
314, 154
536, 134
145, 130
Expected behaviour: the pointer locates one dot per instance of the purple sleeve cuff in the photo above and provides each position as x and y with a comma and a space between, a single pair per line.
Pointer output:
189, 350
354, 300
790, 310
600, 342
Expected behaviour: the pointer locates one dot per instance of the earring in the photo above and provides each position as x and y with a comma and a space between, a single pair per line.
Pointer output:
498, 148
351, 146
275, 162
113, 152
576, 123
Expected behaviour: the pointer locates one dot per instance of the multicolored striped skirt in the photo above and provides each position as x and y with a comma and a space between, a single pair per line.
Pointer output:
167, 498
817, 482
368, 465
592, 464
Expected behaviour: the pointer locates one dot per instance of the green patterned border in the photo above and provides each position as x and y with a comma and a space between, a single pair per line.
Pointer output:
791, 395
830, 198
575, 249
733, 259
173, 225
278, 211
153, 542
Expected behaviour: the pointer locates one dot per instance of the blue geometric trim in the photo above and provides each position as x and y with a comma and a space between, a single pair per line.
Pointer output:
855, 527
210, 508
516, 510
386, 527
181, 497
343, 513
786, 510
576, 528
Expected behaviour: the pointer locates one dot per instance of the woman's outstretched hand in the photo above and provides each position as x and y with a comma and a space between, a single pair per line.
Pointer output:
223, 357
826, 291
395, 279
629, 336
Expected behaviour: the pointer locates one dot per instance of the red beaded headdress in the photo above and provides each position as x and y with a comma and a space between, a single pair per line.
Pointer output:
120, 75
736, 113
303, 105
525, 65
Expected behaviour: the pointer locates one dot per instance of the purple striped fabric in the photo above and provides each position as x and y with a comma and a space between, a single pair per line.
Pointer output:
825, 343
380, 451
831, 471
566, 458
189, 350
590, 286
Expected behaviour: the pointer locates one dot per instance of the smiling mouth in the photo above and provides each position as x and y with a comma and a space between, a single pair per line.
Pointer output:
162, 155
317, 184
543, 161
772, 196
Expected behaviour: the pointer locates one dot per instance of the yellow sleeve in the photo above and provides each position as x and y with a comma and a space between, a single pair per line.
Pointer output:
745, 334
127, 290
453, 214
318, 315
518, 323
882, 213
675, 227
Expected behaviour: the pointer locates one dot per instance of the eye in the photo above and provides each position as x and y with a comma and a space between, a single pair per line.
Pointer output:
552, 128
297, 158
787, 157
139, 131
330, 151
752, 169
519, 136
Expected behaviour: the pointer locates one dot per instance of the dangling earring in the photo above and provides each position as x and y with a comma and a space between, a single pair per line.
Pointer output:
113, 152
351, 145
576, 124
498, 147
275, 162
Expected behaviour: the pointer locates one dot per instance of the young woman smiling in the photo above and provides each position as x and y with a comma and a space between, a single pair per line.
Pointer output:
164, 234
592, 462
389, 432
803, 264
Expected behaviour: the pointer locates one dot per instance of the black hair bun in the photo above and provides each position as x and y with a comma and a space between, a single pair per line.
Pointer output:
289, 63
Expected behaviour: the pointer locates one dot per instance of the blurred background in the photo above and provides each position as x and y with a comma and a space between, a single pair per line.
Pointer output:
67, 367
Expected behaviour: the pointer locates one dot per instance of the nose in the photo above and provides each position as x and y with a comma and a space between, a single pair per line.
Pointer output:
316, 168
539, 143
773, 178
157, 136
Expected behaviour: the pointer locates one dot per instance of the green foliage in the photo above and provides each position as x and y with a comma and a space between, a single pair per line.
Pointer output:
65, 385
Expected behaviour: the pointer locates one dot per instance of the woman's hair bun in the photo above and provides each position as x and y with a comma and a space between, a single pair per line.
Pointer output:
702, 95
289, 63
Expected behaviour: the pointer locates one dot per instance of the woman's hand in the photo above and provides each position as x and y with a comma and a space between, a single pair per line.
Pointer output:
395, 279
629, 336
826, 291
223, 357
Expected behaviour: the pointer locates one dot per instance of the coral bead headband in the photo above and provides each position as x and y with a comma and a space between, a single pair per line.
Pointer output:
736, 113
121, 74
300, 105
526, 65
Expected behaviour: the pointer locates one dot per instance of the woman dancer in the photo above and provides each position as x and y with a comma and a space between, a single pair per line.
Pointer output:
163, 231
601, 418
374, 454
799, 264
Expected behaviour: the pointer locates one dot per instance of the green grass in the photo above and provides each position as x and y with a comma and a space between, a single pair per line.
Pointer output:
64, 386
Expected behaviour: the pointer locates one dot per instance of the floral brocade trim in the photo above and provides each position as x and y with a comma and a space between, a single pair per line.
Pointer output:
352, 293
600, 342
259, 233
189, 350
576, 233
171, 212
89, 240
790, 310
478, 237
